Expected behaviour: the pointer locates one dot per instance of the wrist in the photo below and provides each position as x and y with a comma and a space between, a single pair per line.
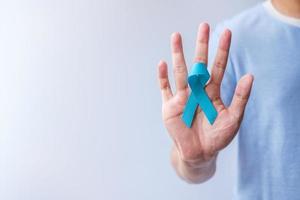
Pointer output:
196, 171
200, 163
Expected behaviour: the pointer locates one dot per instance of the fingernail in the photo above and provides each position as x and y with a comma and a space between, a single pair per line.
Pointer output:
203, 26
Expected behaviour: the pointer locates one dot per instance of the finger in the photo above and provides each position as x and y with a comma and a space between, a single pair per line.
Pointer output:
220, 61
163, 79
202, 43
241, 95
179, 65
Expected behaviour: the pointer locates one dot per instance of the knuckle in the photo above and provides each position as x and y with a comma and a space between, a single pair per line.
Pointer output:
164, 83
220, 65
216, 84
202, 41
216, 100
180, 69
241, 96
201, 59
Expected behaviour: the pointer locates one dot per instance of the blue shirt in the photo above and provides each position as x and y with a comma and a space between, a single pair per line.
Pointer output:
269, 136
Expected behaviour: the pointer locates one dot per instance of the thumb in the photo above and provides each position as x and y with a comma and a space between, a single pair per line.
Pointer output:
241, 95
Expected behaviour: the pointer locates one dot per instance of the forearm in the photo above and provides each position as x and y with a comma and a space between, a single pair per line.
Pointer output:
195, 172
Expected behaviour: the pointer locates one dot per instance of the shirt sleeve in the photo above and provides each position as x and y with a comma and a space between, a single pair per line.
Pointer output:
229, 80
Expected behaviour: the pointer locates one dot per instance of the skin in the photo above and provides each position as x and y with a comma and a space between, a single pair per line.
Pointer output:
288, 7
195, 149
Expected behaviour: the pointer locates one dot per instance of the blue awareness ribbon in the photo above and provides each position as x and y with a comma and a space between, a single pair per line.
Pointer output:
197, 80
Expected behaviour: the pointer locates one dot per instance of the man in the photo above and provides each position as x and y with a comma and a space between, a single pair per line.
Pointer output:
265, 43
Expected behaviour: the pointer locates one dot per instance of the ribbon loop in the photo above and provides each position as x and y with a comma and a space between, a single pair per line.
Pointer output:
197, 79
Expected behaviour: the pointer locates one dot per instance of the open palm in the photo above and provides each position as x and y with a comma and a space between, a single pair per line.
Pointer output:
202, 141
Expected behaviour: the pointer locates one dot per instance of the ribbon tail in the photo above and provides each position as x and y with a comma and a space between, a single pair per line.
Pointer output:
206, 105
189, 111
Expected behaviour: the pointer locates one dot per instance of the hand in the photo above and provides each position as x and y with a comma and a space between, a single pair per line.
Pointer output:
202, 141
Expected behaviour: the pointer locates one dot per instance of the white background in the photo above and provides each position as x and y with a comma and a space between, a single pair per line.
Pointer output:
79, 104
